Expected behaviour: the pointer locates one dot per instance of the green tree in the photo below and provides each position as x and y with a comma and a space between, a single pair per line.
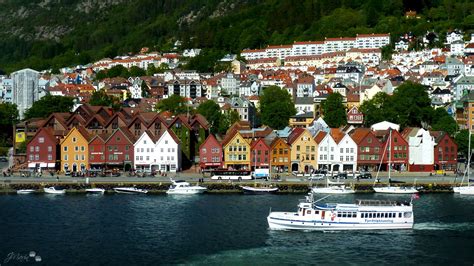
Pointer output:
442, 121
101, 75
377, 109
145, 90
228, 119
276, 107
151, 70
8, 118
49, 104
101, 98
334, 110
174, 104
137, 72
462, 139
412, 105
118, 71
212, 112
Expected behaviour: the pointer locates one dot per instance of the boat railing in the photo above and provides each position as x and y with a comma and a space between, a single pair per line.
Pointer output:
381, 203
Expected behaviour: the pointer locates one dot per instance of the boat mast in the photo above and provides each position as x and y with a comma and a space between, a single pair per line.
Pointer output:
469, 159
389, 154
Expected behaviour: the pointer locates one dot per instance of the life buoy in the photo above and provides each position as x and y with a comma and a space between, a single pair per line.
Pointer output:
333, 215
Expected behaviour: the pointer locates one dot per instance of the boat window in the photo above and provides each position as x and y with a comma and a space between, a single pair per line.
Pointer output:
343, 215
378, 215
339, 214
407, 214
316, 212
399, 215
386, 215
308, 212
370, 215
354, 214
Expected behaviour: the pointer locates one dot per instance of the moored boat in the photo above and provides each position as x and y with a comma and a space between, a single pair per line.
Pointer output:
183, 187
54, 190
26, 191
95, 190
395, 190
259, 190
333, 188
130, 190
362, 215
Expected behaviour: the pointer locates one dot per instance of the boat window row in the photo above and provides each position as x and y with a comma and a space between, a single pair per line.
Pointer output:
381, 215
347, 214
309, 211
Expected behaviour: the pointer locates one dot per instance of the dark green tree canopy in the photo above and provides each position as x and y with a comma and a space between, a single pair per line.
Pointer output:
276, 107
335, 114
50, 104
212, 112
174, 104
101, 98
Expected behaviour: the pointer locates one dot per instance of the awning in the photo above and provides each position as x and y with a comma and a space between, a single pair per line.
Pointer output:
43, 165
51, 165
31, 165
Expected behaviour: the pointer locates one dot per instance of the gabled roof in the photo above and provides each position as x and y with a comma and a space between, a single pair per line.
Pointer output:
295, 134
117, 115
175, 138
48, 132
209, 138
60, 117
255, 142
97, 117
81, 131
276, 140
184, 120
337, 134
125, 132
320, 136
359, 134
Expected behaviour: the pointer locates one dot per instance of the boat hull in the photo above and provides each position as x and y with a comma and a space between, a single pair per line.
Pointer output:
188, 191
467, 190
25, 191
395, 190
257, 190
95, 190
54, 191
280, 224
130, 191
331, 190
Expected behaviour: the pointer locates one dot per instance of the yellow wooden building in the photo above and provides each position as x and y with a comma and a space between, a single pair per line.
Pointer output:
74, 150
236, 151
303, 151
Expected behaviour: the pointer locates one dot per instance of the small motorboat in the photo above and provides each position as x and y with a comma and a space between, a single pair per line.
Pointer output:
183, 187
259, 190
25, 191
130, 190
54, 190
95, 190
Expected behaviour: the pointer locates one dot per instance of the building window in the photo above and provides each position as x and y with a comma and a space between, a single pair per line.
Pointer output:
32, 149
37, 148
41, 140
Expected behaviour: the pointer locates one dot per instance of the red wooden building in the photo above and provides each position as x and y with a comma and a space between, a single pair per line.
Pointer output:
97, 152
210, 153
259, 154
119, 149
42, 150
445, 151
369, 149
398, 151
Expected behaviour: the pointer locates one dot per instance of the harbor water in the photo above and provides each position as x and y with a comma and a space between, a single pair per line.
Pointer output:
220, 230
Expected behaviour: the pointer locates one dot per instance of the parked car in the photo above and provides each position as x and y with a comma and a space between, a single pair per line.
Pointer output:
3, 159
364, 176
316, 177
340, 176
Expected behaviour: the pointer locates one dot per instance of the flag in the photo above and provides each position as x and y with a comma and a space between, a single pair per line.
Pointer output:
415, 196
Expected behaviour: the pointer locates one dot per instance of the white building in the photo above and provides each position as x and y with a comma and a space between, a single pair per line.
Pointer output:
164, 155
26, 89
453, 36
135, 88
456, 48
384, 125
401, 45
421, 147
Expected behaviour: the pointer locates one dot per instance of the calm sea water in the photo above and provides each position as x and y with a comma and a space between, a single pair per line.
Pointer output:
220, 230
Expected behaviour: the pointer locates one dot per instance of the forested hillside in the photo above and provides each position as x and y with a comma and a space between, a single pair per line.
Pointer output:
54, 33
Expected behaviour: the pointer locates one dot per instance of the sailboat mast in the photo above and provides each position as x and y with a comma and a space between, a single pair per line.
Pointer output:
389, 155
469, 159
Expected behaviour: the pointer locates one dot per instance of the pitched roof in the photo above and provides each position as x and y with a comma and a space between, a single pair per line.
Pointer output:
295, 134
320, 136
337, 134
359, 134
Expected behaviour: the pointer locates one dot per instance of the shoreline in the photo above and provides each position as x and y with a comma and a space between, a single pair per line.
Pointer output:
222, 187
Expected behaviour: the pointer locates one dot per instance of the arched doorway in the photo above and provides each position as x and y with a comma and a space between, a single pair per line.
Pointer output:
306, 168
294, 167
335, 168
83, 167
74, 167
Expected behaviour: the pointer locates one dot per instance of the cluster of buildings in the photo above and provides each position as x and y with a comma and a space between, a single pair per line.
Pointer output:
96, 139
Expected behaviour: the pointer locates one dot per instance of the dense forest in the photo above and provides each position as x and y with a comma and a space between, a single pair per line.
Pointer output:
44, 34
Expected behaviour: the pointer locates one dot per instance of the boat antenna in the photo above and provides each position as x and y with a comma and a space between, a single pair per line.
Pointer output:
322, 198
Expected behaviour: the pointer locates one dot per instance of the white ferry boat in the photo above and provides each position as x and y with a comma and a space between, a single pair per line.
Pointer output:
363, 215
